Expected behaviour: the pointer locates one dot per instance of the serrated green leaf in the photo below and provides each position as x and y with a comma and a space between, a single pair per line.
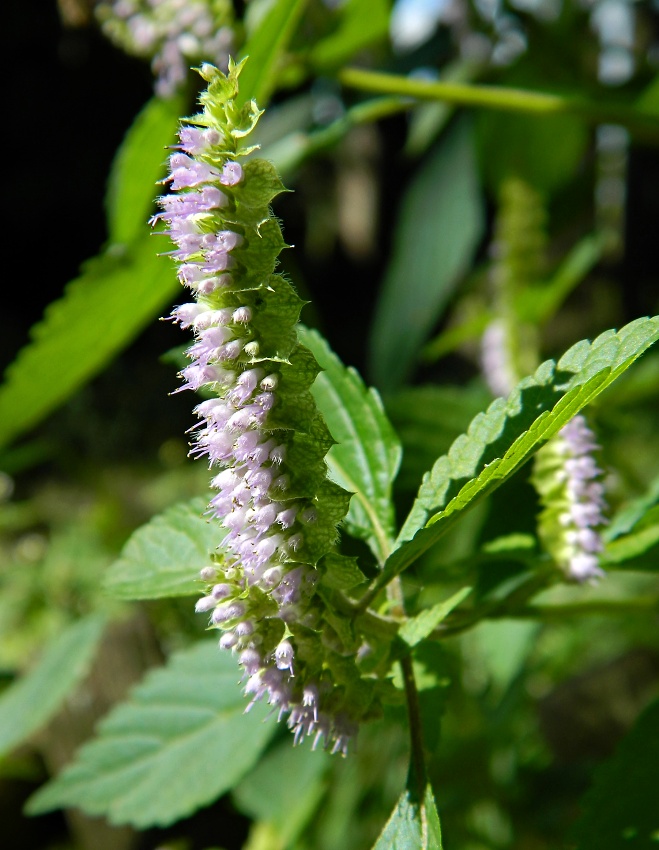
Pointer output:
100, 313
412, 825
439, 227
180, 741
622, 808
139, 164
361, 23
30, 703
500, 440
341, 572
265, 48
367, 455
418, 628
163, 557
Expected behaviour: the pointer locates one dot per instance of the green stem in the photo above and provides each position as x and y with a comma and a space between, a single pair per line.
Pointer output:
641, 124
417, 760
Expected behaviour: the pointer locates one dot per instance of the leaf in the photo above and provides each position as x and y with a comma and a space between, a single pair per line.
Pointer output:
412, 826
265, 48
367, 455
29, 704
98, 315
163, 557
180, 741
632, 513
284, 789
500, 440
361, 23
636, 551
418, 628
622, 808
139, 164
437, 232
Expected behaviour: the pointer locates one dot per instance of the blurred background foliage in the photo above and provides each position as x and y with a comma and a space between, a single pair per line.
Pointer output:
415, 225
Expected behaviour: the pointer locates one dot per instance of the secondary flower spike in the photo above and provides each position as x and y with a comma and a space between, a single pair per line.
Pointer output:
259, 427
569, 482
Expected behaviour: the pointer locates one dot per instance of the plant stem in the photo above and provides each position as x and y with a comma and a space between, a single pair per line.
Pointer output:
642, 124
417, 759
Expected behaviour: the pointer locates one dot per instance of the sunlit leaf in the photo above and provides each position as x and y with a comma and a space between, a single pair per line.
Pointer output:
163, 557
140, 163
180, 741
366, 457
100, 312
413, 825
500, 440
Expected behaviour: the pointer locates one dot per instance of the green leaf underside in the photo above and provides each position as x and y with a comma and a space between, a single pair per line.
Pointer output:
439, 227
163, 557
30, 703
622, 808
265, 48
180, 741
100, 313
636, 551
500, 440
416, 629
367, 455
412, 826
138, 166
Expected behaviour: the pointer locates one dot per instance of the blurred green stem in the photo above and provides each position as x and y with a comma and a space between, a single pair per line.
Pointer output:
640, 123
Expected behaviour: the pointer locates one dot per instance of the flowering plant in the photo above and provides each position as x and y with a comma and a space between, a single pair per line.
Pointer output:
311, 613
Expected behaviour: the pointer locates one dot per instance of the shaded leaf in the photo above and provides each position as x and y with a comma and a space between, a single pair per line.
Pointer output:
412, 825
500, 440
139, 164
437, 232
180, 741
622, 808
163, 557
29, 704
367, 455
636, 551
418, 628
100, 312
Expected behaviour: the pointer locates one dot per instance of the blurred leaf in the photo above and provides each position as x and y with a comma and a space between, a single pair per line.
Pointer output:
428, 419
361, 23
636, 551
29, 704
284, 789
632, 513
163, 557
98, 315
412, 825
501, 647
418, 628
538, 304
265, 47
500, 440
437, 231
544, 151
621, 810
367, 455
180, 741
140, 163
